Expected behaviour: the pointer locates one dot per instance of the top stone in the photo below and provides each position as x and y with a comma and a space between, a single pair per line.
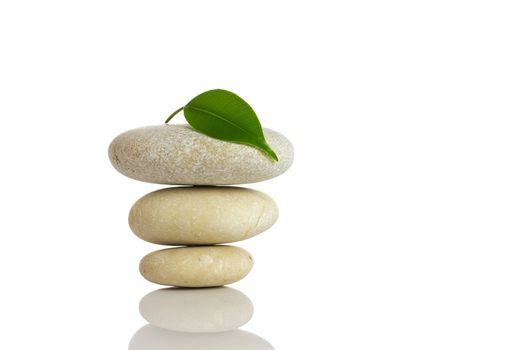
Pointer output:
178, 155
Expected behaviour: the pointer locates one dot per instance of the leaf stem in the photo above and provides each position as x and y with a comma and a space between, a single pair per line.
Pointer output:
173, 114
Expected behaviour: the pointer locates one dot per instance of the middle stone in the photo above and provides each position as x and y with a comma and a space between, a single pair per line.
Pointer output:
202, 215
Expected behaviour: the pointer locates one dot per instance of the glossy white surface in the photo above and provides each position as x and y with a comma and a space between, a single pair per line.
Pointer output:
197, 310
153, 338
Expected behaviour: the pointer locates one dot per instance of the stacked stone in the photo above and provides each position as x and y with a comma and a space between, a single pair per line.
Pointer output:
207, 214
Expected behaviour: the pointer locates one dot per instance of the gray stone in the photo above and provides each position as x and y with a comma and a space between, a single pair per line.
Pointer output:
177, 154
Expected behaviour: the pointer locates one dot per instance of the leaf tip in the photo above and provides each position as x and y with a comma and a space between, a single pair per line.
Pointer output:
270, 152
274, 156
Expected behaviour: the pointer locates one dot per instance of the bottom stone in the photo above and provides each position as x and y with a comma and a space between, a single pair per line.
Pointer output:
203, 266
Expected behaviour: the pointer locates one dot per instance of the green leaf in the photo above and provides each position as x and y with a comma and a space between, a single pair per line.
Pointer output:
225, 116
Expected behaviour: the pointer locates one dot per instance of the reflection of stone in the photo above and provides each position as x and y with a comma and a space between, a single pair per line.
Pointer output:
154, 338
197, 310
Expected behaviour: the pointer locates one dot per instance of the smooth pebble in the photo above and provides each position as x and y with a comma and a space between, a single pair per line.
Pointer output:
179, 155
208, 266
202, 215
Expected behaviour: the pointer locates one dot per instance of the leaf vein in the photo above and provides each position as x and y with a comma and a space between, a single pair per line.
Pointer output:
220, 117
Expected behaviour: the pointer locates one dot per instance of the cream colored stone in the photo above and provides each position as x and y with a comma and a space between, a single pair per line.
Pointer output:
208, 266
177, 154
202, 215
197, 309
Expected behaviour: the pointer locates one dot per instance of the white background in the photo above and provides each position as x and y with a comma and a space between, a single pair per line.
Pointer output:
402, 218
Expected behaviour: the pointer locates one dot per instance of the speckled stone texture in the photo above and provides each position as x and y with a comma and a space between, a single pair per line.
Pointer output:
177, 154
202, 215
209, 266
197, 310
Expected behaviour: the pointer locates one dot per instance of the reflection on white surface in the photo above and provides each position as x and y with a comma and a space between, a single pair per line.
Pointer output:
153, 338
197, 310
